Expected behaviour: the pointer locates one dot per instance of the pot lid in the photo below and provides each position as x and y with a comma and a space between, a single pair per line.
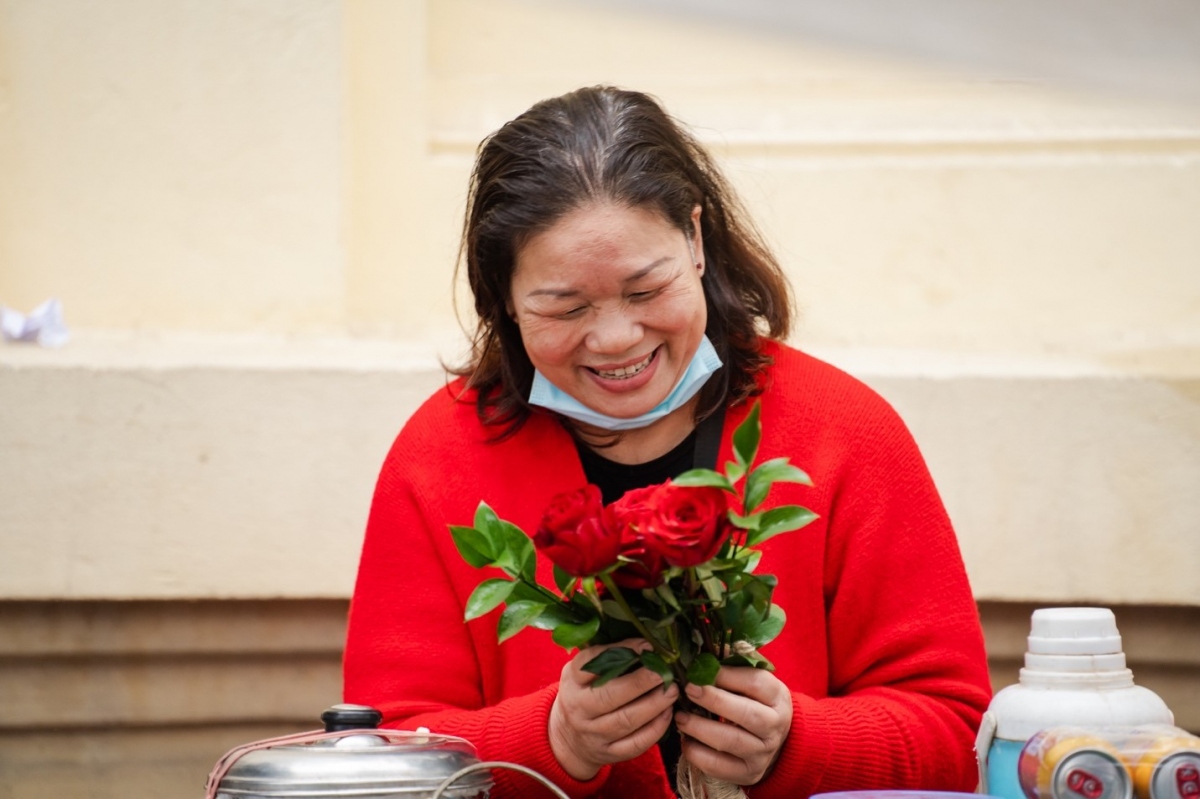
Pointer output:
362, 763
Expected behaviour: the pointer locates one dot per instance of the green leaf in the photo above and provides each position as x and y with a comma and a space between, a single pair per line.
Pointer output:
754, 659
472, 545
613, 609
746, 438
750, 522
610, 664
751, 557
702, 478
487, 596
664, 622
731, 613
654, 661
783, 519
778, 470
760, 589
555, 615
576, 636
723, 566
516, 617
667, 595
564, 580
488, 523
715, 590
520, 547
703, 670
734, 471
759, 482
768, 629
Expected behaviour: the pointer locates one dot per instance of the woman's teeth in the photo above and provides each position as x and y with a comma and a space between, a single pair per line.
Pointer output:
625, 372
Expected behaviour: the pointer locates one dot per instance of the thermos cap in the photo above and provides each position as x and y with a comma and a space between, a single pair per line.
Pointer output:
1074, 631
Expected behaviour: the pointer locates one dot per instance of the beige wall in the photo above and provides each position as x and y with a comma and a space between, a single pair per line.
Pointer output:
250, 213
299, 167
174, 165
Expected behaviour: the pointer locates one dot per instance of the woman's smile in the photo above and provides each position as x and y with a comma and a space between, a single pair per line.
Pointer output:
623, 372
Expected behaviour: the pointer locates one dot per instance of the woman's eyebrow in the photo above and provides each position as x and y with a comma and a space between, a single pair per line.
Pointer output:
638, 275
559, 293
641, 273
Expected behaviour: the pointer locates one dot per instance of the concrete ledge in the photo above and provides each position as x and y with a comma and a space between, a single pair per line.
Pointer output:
138, 467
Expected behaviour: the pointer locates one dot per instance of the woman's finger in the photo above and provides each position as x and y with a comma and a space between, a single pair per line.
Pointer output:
596, 702
750, 698
629, 717
719, 765
757, 684
742, 711
719, 735
641, 739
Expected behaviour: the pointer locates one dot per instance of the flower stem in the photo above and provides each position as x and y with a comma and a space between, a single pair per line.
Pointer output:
619, 598
671, 656
550, 595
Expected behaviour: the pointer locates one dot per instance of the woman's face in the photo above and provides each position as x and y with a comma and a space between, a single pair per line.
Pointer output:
610, 306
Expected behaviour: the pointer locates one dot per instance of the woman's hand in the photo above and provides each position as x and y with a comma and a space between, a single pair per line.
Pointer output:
755, 709
592, 727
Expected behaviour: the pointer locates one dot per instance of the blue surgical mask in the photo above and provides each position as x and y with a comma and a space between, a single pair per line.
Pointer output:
704, 363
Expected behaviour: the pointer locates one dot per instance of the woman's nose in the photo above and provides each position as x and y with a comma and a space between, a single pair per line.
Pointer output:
613, 333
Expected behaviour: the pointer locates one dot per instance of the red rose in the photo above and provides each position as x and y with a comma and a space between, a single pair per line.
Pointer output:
573, 536
686, 526
626, 517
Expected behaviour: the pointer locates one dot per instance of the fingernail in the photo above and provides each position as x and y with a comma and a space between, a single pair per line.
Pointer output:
682, 718
694, 691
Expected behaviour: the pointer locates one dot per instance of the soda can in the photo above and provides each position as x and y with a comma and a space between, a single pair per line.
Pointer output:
1072, 763
1169, 768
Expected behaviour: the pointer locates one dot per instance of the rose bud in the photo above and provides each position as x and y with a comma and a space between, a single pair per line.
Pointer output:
573, 536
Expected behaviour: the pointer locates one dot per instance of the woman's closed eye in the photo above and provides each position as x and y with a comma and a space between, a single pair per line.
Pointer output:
570, 313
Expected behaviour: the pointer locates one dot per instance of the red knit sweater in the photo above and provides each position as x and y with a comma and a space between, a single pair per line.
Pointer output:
882, 649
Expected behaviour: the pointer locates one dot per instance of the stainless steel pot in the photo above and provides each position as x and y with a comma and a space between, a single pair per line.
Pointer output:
352, 758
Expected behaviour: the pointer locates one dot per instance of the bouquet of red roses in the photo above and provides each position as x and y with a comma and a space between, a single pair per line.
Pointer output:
673, 564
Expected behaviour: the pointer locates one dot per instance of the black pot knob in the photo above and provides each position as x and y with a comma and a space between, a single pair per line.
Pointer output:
351, 717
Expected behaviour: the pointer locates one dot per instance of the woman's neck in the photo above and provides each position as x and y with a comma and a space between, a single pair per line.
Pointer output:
645, 443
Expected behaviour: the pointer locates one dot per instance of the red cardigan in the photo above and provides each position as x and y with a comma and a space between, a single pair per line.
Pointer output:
882, 649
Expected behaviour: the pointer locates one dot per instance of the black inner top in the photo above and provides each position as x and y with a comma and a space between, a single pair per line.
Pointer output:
614, 479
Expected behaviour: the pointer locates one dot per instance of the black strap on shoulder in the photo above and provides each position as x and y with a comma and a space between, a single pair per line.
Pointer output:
708, 440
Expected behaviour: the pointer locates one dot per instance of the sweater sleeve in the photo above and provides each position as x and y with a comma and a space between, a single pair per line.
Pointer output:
409, 653
908, 677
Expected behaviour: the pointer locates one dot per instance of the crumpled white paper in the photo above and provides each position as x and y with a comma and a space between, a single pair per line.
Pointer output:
43, 325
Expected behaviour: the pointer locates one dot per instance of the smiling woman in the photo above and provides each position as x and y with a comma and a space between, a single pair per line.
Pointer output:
602, 184
629, 317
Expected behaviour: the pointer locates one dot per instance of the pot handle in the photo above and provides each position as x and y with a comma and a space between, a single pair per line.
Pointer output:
489, 765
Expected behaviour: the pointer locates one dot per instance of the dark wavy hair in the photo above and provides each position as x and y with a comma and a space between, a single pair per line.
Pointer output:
607, 145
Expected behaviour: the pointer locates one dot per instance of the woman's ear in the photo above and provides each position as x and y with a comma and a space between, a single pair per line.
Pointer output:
696, 242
